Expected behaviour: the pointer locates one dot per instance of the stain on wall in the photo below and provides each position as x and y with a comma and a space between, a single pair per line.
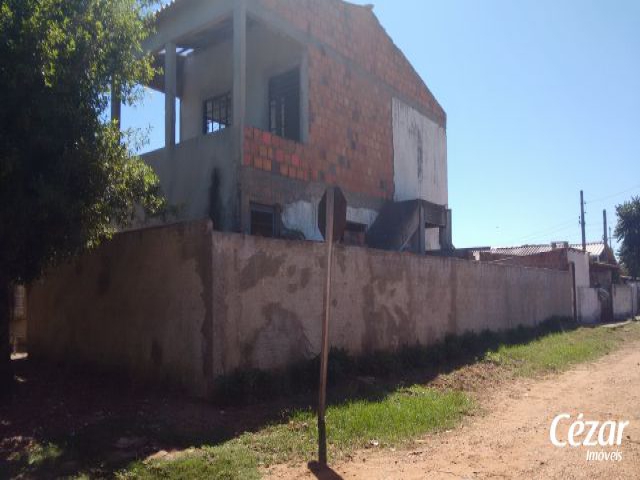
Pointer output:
419, 156
187, 304
140, 303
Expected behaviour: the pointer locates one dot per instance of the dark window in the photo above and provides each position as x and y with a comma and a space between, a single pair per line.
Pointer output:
284, 105
354, 234
263, 220
216, 113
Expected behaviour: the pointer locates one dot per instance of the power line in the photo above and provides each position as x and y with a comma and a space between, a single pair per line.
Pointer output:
545, 231
606, 197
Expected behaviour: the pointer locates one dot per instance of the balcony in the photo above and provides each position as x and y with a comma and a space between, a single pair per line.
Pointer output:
186, 173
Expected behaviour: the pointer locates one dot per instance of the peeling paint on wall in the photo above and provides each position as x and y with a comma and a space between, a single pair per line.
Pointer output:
188, 299
303, 216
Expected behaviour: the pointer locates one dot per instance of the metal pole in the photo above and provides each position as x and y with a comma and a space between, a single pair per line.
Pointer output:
604, 219
582, 222
324, 352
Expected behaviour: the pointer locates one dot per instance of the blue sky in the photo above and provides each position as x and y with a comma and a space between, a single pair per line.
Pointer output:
542, 98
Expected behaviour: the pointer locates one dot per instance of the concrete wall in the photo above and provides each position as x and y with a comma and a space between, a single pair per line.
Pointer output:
382, 300
589, 308
581, 262
419, 156
622, 302
299, 200
186, 176
185, 304
140, 303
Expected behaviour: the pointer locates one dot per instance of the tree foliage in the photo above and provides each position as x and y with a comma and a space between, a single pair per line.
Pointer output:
628, 234
67, 175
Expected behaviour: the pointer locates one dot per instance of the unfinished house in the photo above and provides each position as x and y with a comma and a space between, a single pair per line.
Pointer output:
276, 100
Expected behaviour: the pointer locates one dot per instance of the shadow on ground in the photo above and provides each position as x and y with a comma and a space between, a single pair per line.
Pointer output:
59, 421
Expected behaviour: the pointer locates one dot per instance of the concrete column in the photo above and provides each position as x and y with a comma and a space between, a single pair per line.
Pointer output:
446, 237
422, 247
170, 82
239, 63
116, 103
236, 220
304, 98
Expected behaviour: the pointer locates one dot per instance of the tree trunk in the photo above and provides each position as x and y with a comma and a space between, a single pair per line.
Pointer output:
6, 371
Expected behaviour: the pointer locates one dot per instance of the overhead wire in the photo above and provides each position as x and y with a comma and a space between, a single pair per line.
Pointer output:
613, 195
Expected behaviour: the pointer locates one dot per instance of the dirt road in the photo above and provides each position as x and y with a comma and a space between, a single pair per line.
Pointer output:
510, 438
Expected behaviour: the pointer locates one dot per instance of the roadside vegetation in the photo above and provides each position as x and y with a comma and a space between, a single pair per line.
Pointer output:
398, 417
377, 402
392, 420
559, 351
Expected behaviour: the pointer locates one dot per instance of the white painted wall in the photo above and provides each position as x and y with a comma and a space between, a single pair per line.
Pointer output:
209, 72
622, 302
419, 156
581, 261
589, 309
303, 216
432, 239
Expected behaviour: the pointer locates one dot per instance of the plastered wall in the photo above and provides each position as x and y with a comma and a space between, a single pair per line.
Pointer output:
182, 304
419, 156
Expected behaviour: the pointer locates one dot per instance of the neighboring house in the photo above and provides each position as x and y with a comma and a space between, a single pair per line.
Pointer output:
596, 273
279, 99
603, 265
598, 251
557, 256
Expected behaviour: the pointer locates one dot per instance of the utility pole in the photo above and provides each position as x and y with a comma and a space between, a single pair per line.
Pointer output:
604, 220
610, 236
582, 222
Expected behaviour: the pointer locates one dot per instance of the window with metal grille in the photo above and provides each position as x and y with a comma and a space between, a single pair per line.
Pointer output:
216, 113
284, 105
263, 220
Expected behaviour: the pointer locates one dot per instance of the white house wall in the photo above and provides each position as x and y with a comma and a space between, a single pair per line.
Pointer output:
581, 262
419, 156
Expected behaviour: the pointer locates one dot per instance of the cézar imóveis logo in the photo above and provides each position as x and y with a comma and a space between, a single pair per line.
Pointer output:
589, 433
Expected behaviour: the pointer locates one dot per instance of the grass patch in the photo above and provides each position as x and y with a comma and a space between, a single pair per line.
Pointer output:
400, 416
559, 351
380, 400
390, 417
395, 419
225, 462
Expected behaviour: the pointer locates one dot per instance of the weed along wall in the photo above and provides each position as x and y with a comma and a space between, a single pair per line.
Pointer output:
183, 304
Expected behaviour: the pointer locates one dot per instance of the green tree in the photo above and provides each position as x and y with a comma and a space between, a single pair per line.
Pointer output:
628, 234
67, 175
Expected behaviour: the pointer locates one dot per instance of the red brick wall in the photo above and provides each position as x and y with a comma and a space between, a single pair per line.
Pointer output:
350, 121
355, 32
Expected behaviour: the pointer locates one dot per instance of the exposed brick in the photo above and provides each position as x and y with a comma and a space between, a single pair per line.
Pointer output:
350, 139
